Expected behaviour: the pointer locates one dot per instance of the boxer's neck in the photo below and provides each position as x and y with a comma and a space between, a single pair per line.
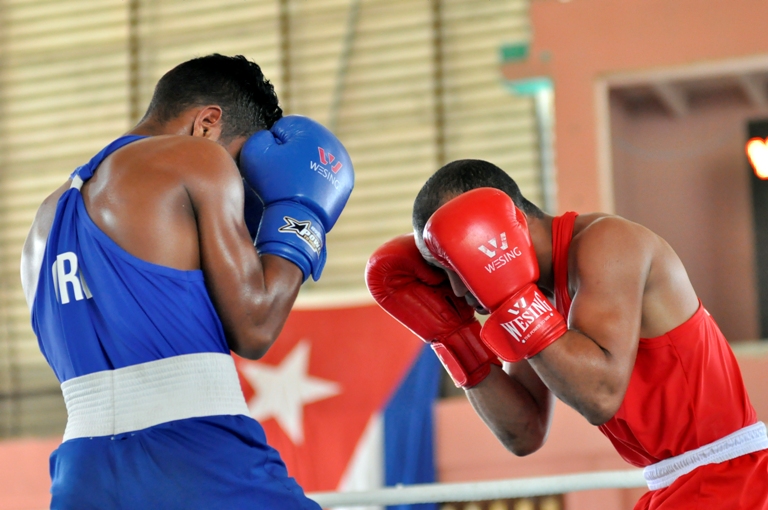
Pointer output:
541, 236
196, 121
182, 124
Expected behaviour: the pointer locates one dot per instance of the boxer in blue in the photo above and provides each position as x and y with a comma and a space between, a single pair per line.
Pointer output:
141, 275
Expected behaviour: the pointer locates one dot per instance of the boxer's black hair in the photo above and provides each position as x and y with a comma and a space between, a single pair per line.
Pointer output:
461, 176
247, 99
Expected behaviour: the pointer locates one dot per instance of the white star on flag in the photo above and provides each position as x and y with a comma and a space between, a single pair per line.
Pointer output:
283, 390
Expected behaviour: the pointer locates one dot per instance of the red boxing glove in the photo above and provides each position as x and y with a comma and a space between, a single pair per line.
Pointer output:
484, 238
419, 296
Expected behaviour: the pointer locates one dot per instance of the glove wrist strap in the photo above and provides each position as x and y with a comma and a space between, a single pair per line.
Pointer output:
291, 231
465, 357
523, 326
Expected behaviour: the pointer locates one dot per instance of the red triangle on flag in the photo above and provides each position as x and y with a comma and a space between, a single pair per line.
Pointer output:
317, 387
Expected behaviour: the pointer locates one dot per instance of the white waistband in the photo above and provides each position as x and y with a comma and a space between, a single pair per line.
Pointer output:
140, 396
747, 440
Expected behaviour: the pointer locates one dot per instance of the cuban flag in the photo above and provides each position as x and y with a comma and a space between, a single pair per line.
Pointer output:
346, 396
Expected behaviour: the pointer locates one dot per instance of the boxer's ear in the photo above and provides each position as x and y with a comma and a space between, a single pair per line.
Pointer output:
208, 123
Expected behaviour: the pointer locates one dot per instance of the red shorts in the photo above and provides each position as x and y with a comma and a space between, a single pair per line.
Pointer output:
737, 484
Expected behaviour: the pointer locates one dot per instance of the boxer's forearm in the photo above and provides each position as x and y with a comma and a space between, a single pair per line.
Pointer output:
269, 307
583, 375
512, 413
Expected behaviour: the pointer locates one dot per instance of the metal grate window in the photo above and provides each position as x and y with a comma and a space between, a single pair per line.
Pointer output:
406, 84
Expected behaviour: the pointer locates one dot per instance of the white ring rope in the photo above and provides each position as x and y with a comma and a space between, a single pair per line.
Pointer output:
481, 491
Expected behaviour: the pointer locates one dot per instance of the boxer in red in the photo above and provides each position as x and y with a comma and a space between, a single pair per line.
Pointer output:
627, 343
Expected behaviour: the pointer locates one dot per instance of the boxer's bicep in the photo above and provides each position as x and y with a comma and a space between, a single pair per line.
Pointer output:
252, 296
589, 367
612, 265
227, 256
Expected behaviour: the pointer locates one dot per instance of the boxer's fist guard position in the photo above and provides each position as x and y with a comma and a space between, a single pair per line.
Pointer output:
420, 297
304, 176
522, 322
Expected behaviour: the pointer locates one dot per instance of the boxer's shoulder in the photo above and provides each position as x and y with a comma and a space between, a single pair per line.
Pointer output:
600, 228
177, 160
175, 151
601, 239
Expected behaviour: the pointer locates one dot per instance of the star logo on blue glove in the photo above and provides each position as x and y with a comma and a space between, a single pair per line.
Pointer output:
304, 230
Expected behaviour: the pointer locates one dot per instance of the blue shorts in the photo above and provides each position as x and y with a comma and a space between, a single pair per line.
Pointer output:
218, 462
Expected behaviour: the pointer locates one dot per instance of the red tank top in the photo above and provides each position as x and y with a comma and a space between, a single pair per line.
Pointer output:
685, 389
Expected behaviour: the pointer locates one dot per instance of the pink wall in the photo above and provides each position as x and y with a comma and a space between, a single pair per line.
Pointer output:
687, 180
24, 480
577, 42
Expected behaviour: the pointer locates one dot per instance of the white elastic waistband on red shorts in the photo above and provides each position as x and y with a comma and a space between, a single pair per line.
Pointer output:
140, 396
747, 440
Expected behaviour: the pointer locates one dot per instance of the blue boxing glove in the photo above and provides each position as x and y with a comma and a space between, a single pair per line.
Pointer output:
304, 177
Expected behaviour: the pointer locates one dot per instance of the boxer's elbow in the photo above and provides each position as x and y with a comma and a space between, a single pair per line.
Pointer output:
521, 450
521, 445
521, 439
597, 418
600, 410
252, 344
258, 327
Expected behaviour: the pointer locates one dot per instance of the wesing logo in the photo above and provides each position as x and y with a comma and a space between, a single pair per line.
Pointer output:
492, 242
329, 174
327, 158
526, 314
504, 257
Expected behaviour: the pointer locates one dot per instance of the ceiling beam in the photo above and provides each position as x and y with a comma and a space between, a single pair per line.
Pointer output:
673, 98
691, 72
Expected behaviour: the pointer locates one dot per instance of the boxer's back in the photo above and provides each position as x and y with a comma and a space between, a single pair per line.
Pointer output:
99, 304
143, 182
681, 383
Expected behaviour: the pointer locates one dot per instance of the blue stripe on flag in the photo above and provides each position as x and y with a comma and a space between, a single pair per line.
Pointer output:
409, 455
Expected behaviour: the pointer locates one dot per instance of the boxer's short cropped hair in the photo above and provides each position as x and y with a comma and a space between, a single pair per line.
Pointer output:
247, 99
461, 176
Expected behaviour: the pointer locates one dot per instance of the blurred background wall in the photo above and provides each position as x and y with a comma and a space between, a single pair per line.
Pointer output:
651, 101
686, 179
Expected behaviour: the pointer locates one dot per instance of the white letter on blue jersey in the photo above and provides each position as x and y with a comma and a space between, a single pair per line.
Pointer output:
61, 278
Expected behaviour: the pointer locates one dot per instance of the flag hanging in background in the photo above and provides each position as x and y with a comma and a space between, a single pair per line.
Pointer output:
345, 395
409, 455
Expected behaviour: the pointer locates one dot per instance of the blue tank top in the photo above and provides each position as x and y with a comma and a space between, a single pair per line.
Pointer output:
100, 309
97, 307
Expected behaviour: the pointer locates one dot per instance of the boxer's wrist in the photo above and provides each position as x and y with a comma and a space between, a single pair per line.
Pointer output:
523, 326
291, 231
464, 355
